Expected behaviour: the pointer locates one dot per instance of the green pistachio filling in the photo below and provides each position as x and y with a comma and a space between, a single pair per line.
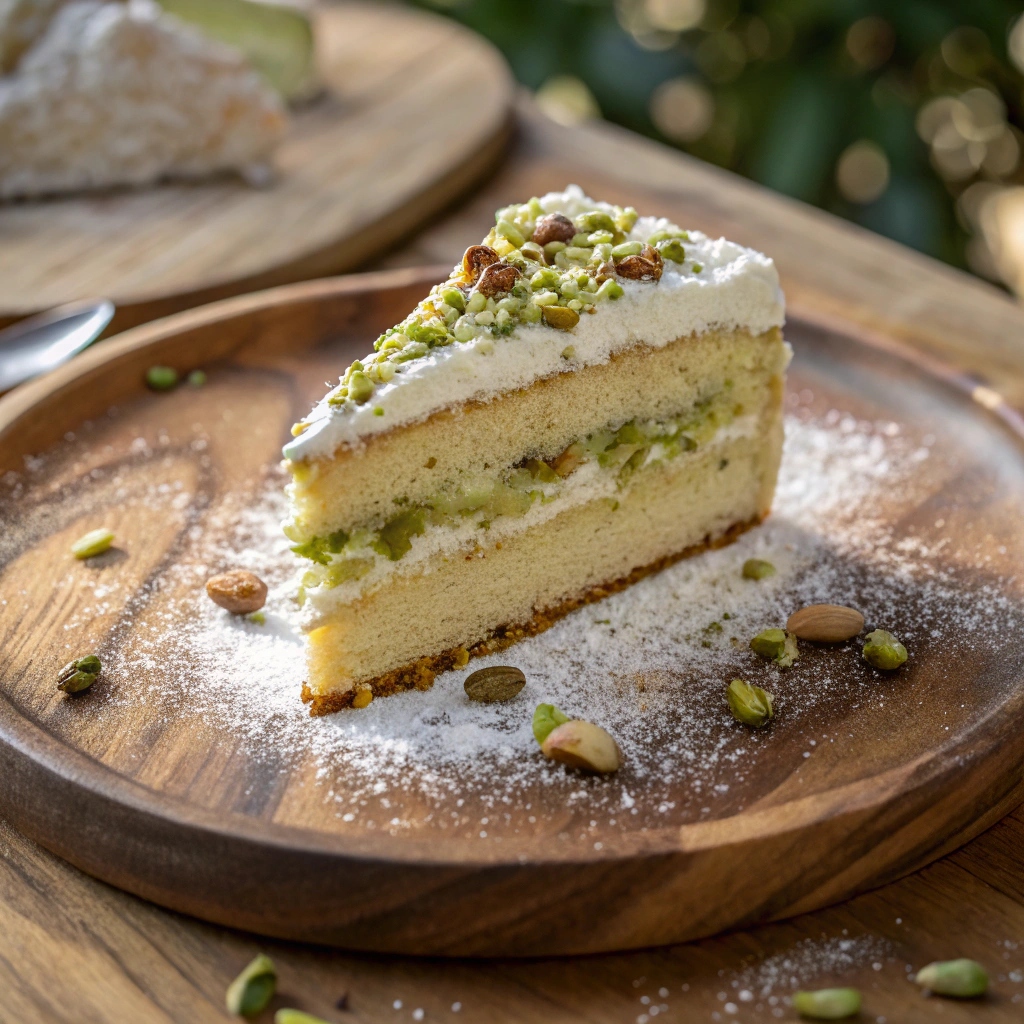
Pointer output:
530, 282
621, 450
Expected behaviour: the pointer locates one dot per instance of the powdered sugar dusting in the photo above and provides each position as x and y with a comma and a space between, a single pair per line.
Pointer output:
650, 664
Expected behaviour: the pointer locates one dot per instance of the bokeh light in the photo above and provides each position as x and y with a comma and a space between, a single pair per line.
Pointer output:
862, 172
682, 109
567, 100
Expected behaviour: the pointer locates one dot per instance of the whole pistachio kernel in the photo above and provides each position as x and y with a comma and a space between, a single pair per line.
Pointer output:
79, 674
827, 1003
757, 569
494, 683
749, 704
93, 543
561, 317
965, 979
883, 651
161, 378
546, 718
254, 987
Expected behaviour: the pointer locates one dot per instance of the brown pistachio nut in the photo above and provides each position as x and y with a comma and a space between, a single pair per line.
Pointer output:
475, 258
641, 268
239, 591
605, 271
497, 278
583, 745
553, 227
825, 623
495, 683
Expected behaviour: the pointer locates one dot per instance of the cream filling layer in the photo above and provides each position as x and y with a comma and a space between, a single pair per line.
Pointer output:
590, 482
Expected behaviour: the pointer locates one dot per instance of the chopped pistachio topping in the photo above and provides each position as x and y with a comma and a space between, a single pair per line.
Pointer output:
161, 378
883, 651
776, 645
350, 555
531, 268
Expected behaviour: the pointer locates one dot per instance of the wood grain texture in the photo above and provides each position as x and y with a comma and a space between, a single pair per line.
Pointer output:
122, 960
175, 810
360, 167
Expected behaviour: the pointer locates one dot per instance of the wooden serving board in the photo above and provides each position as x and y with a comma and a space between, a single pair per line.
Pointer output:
214, 802
415, 110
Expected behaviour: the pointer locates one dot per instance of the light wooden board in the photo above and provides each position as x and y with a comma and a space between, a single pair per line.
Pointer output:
181, 813
415, 110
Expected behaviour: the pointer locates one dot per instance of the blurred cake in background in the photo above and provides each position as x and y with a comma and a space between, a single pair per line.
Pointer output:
98, 94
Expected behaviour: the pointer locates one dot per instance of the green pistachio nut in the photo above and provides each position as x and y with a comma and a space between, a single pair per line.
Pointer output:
620, 252
546, 719
594, 220
757, 569
250, 992
626, 219
769, 644
827, 1003
286, 1015
197, 378
161, 378
610, 289
360, 387
79, 675
965, 979
667, 234
883, 651
508, 230
95, 542
561, 317
749, 704
672, 249
454, 297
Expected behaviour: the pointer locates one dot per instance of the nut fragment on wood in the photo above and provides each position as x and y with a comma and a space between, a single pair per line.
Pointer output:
495, 683
553, 227
826, 623
583, 745
497, 278
239, 591
475, 258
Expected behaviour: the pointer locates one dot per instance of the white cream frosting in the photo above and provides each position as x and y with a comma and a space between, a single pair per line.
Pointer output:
736, 288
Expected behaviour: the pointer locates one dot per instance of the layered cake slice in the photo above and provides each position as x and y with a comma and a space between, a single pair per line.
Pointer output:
589, 397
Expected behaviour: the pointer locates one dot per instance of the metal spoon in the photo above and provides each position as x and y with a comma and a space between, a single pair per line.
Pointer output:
41, 343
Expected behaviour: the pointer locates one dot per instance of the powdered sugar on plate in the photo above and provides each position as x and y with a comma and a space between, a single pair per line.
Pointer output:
649, 664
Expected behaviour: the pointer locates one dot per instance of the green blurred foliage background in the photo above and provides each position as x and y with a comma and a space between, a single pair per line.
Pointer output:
903, 116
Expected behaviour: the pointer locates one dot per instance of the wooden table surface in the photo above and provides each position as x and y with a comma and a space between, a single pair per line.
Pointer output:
73, 949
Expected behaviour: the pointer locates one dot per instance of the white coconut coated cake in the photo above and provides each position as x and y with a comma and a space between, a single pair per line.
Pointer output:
589, 397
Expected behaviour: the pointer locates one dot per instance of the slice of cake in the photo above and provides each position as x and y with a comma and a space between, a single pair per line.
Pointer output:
103, 94
589, 397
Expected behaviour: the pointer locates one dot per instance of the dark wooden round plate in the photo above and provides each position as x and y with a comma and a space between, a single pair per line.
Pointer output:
860, 779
